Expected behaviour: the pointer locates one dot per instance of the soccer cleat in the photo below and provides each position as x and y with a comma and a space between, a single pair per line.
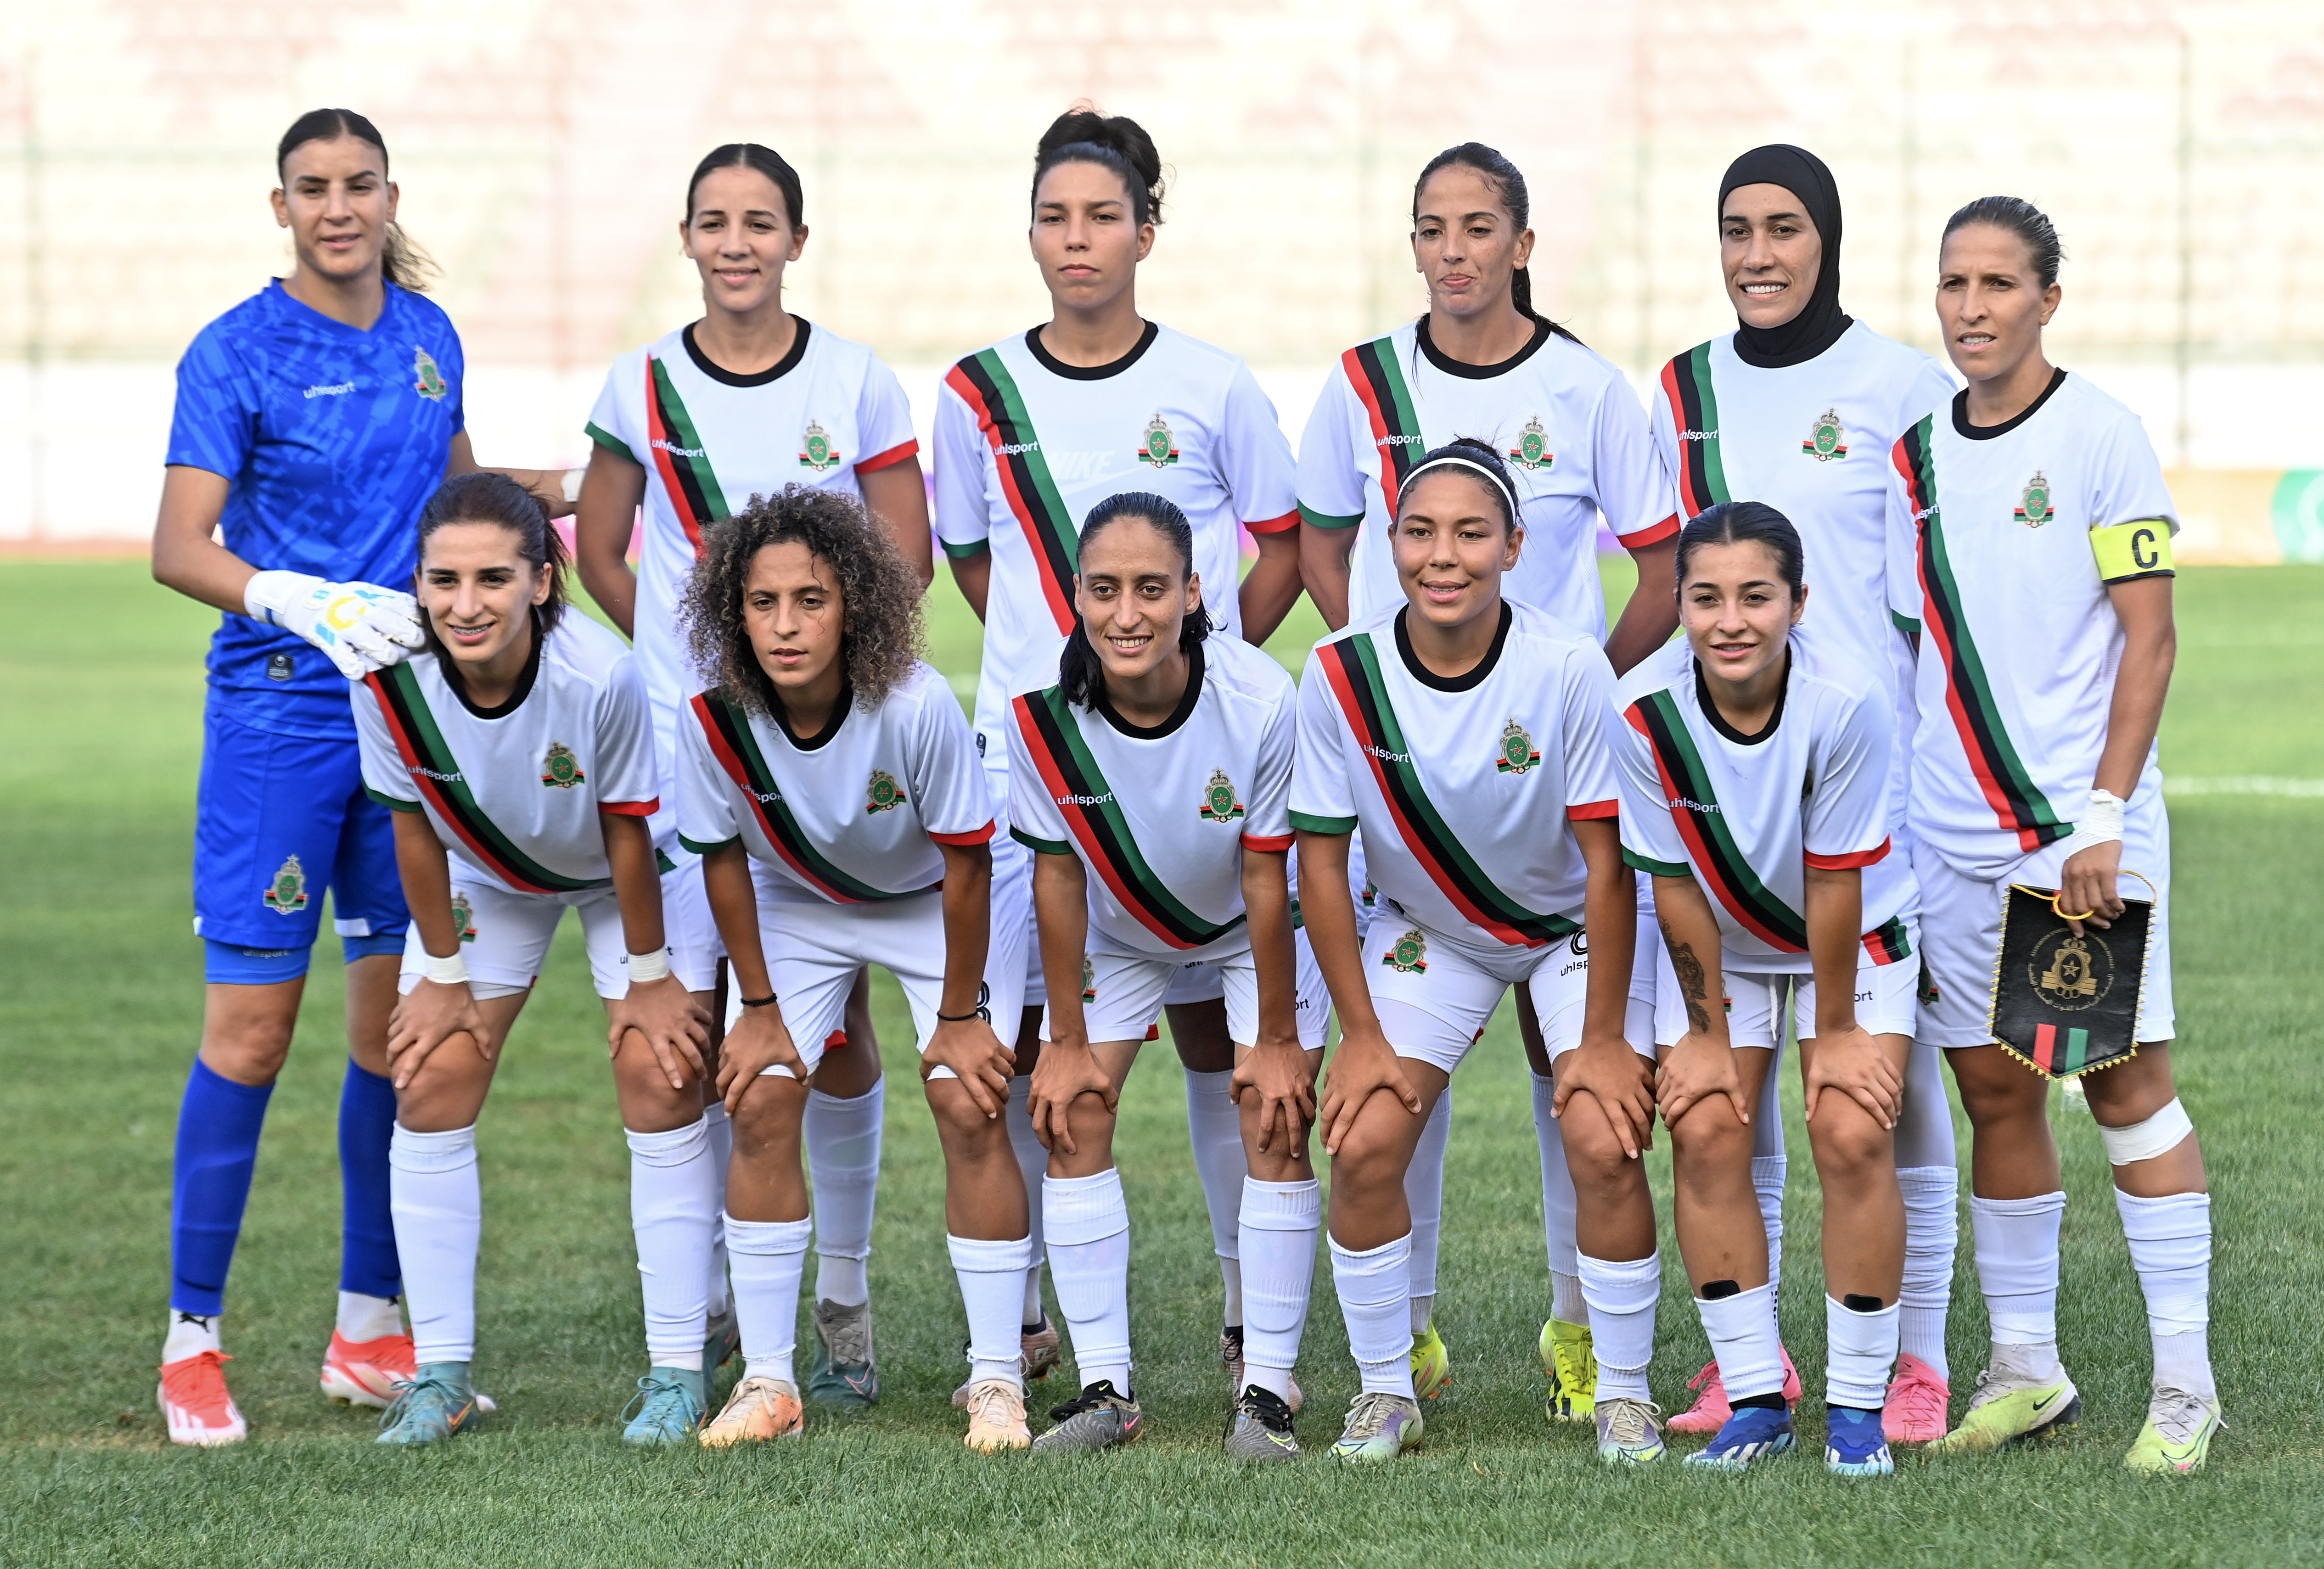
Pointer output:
1381, 1426
722, 1338
844, 1373
1855, 1444
2177, 1438
431, 1406
758, 1409
195, 1404
1710, 1410
667, 1409
1432, 1365
1917, 1399
1627, 1433
1097, 1418
996, 1416
1753, 1433
367, 1372
1259, 1428
1230, 1357
2009, 1410
1570, 1360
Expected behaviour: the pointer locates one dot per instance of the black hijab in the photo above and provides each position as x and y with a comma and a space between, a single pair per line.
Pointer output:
1821, 321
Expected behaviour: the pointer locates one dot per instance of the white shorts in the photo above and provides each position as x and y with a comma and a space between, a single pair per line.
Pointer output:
1012, 916
1123, 994
1650, 972
694, 945
1435, 999
1886, 996
504, 937
1207, 982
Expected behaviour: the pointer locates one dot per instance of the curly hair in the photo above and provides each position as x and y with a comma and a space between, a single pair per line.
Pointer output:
881, 598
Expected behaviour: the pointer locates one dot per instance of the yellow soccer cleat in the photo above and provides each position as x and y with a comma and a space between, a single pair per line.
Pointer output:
2009, 1410
1432, 1365
1571, 1361
2177, 1438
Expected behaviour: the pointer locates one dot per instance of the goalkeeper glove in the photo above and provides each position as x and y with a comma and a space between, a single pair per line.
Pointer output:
360, 626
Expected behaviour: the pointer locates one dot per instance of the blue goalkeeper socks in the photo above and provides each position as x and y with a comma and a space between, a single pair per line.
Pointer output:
368, 1262
218, 1125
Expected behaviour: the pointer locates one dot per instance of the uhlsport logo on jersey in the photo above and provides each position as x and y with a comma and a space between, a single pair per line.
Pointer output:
431, 384
286, 890
560, 770
1220, 802
1516, 753
883, 794
1827, 437
818, 454
1409, 955
1531, 450
1157, 446
2033, 508
464, 916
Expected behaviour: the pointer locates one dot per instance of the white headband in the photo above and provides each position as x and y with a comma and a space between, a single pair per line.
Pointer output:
1516, 518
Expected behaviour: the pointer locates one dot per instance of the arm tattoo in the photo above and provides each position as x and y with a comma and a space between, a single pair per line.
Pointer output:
1691, 978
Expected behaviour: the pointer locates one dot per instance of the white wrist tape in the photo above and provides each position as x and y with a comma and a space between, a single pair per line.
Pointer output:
2158, 1135
2101, 824
654, 967
452, 971
573, 487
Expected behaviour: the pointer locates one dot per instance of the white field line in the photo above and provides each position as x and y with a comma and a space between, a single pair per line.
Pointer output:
2245, 784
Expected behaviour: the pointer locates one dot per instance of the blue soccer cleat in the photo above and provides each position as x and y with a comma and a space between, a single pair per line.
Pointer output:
1753, 1433
667, 1409
1854, 1444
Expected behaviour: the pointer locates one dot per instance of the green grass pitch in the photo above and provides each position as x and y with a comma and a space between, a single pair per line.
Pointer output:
100, 1008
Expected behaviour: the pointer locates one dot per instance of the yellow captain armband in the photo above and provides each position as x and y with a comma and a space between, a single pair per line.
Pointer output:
2127, 553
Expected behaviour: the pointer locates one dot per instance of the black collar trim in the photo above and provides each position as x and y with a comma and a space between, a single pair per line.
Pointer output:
1467, 372
1178, 716
822, 738
451, 669
1057, 367
1467, 679
1961, 427
1719, 721
774, 373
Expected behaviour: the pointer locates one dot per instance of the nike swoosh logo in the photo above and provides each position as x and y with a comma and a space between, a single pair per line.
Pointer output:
2042, 1405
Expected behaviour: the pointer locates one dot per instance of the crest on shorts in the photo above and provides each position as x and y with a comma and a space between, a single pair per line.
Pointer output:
286, 890
1517, 754
1410, 953
2033, 508
1220, 802
1157, 445
1089, 979
2070, 973
1827, 437
1531, 450
431, 384
883, 794
464, 916
818, 454
559, 769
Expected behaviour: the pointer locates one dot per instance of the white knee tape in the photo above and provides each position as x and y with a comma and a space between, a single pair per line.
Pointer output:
2158, 1135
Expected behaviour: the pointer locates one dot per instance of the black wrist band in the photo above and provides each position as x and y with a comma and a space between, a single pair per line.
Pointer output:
764, 1001
962, 1018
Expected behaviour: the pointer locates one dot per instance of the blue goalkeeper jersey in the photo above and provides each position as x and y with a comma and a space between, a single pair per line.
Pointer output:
332, 439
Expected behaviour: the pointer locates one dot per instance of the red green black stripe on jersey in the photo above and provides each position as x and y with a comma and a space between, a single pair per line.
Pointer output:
1378, 384
1351, 665
1694, 410
2018, 804
1719, 862
985, 385
1888, 942
1093, 815
680, 457
728, 730
432, 767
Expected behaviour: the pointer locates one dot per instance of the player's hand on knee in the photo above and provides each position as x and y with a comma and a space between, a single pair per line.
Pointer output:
1700, 1066
2088, 887
759, 1040
1067, 1070
672, 1024
360, 626
1619, 1085
971, 1048
1281, 1075
425, 1018
1365, 1065
1850, 1062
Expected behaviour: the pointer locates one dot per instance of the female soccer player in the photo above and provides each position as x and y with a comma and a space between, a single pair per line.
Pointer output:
1796, 407
517, 755
2038, 528
313, 423
1151, 783
829, 787
741, 402
1458, 708
1756, 792
1030, 434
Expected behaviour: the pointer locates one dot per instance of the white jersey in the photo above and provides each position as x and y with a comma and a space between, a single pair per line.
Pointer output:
2005, 539
514, 791
1462, 787
1571, 430
1026, 444
1161, 815
852, 816
709, 441
1746, 816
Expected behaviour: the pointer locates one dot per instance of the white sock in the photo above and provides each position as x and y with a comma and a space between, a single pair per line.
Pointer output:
1033, 1160
1861, 1347
1423, 1195
990, 1274
439, 1219
190, 1334
1279, 1223
1742, 1332
1214, 1127
2170, 1248
1374, 1290
2016, 1245
768, 1257
363, 1317
1767, 1174
1568, 1303
1621, 1295
843, 1155
1088, 1224
721, 1157
1560, 1208
1932, 1239
671, 1209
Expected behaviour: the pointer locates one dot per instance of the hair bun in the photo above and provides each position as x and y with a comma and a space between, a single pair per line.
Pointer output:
1116, 133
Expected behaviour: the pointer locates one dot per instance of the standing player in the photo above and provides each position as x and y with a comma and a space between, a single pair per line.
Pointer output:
1459, 706
829, 787
1756, 792
1030, 434
517, 755
1151, 783
313, 421
1796, 407
2039, 528
741, 403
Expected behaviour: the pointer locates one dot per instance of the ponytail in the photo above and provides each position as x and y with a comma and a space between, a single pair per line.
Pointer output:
1509, 183
482, 496
1081, 674
401, 262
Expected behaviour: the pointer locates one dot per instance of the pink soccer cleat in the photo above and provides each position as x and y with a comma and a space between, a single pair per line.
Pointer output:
365, 1372
1917, 1400
195, 1403
1710, 1410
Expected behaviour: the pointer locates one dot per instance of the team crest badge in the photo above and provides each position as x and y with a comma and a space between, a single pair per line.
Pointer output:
1157, 445
1089, 980
818, 454
1410, 953
560, 770
1827, 437
883, 794
464, 916
1516, 752
1220, 802
2033, 508
2077, 973
286, 890
431, 384
1531, 450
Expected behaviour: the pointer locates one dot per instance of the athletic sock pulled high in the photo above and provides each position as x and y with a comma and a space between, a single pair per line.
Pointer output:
1560, 1207
2017, 1242
1374, 1289
1033, 1161
2170, 1248
1621, 1295
368, 1262
1932, 1239
1862, 1349
1423, 1196
439, 1219
721, 1130
1214, 1128
1279, 1221
767, 1258
1088, 1226
670, 1200
218, 1125
843, 1151
991, 1274
1741, 1328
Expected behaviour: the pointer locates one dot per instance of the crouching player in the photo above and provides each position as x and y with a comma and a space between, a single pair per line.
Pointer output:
829, 783
516, 754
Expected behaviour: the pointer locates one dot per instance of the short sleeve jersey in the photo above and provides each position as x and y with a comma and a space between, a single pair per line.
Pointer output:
1463, 787
850, 816
2012, 533
1567, 422
1026, 444
1746, 816
1161, 814
331, 440
514, 791
709, 439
